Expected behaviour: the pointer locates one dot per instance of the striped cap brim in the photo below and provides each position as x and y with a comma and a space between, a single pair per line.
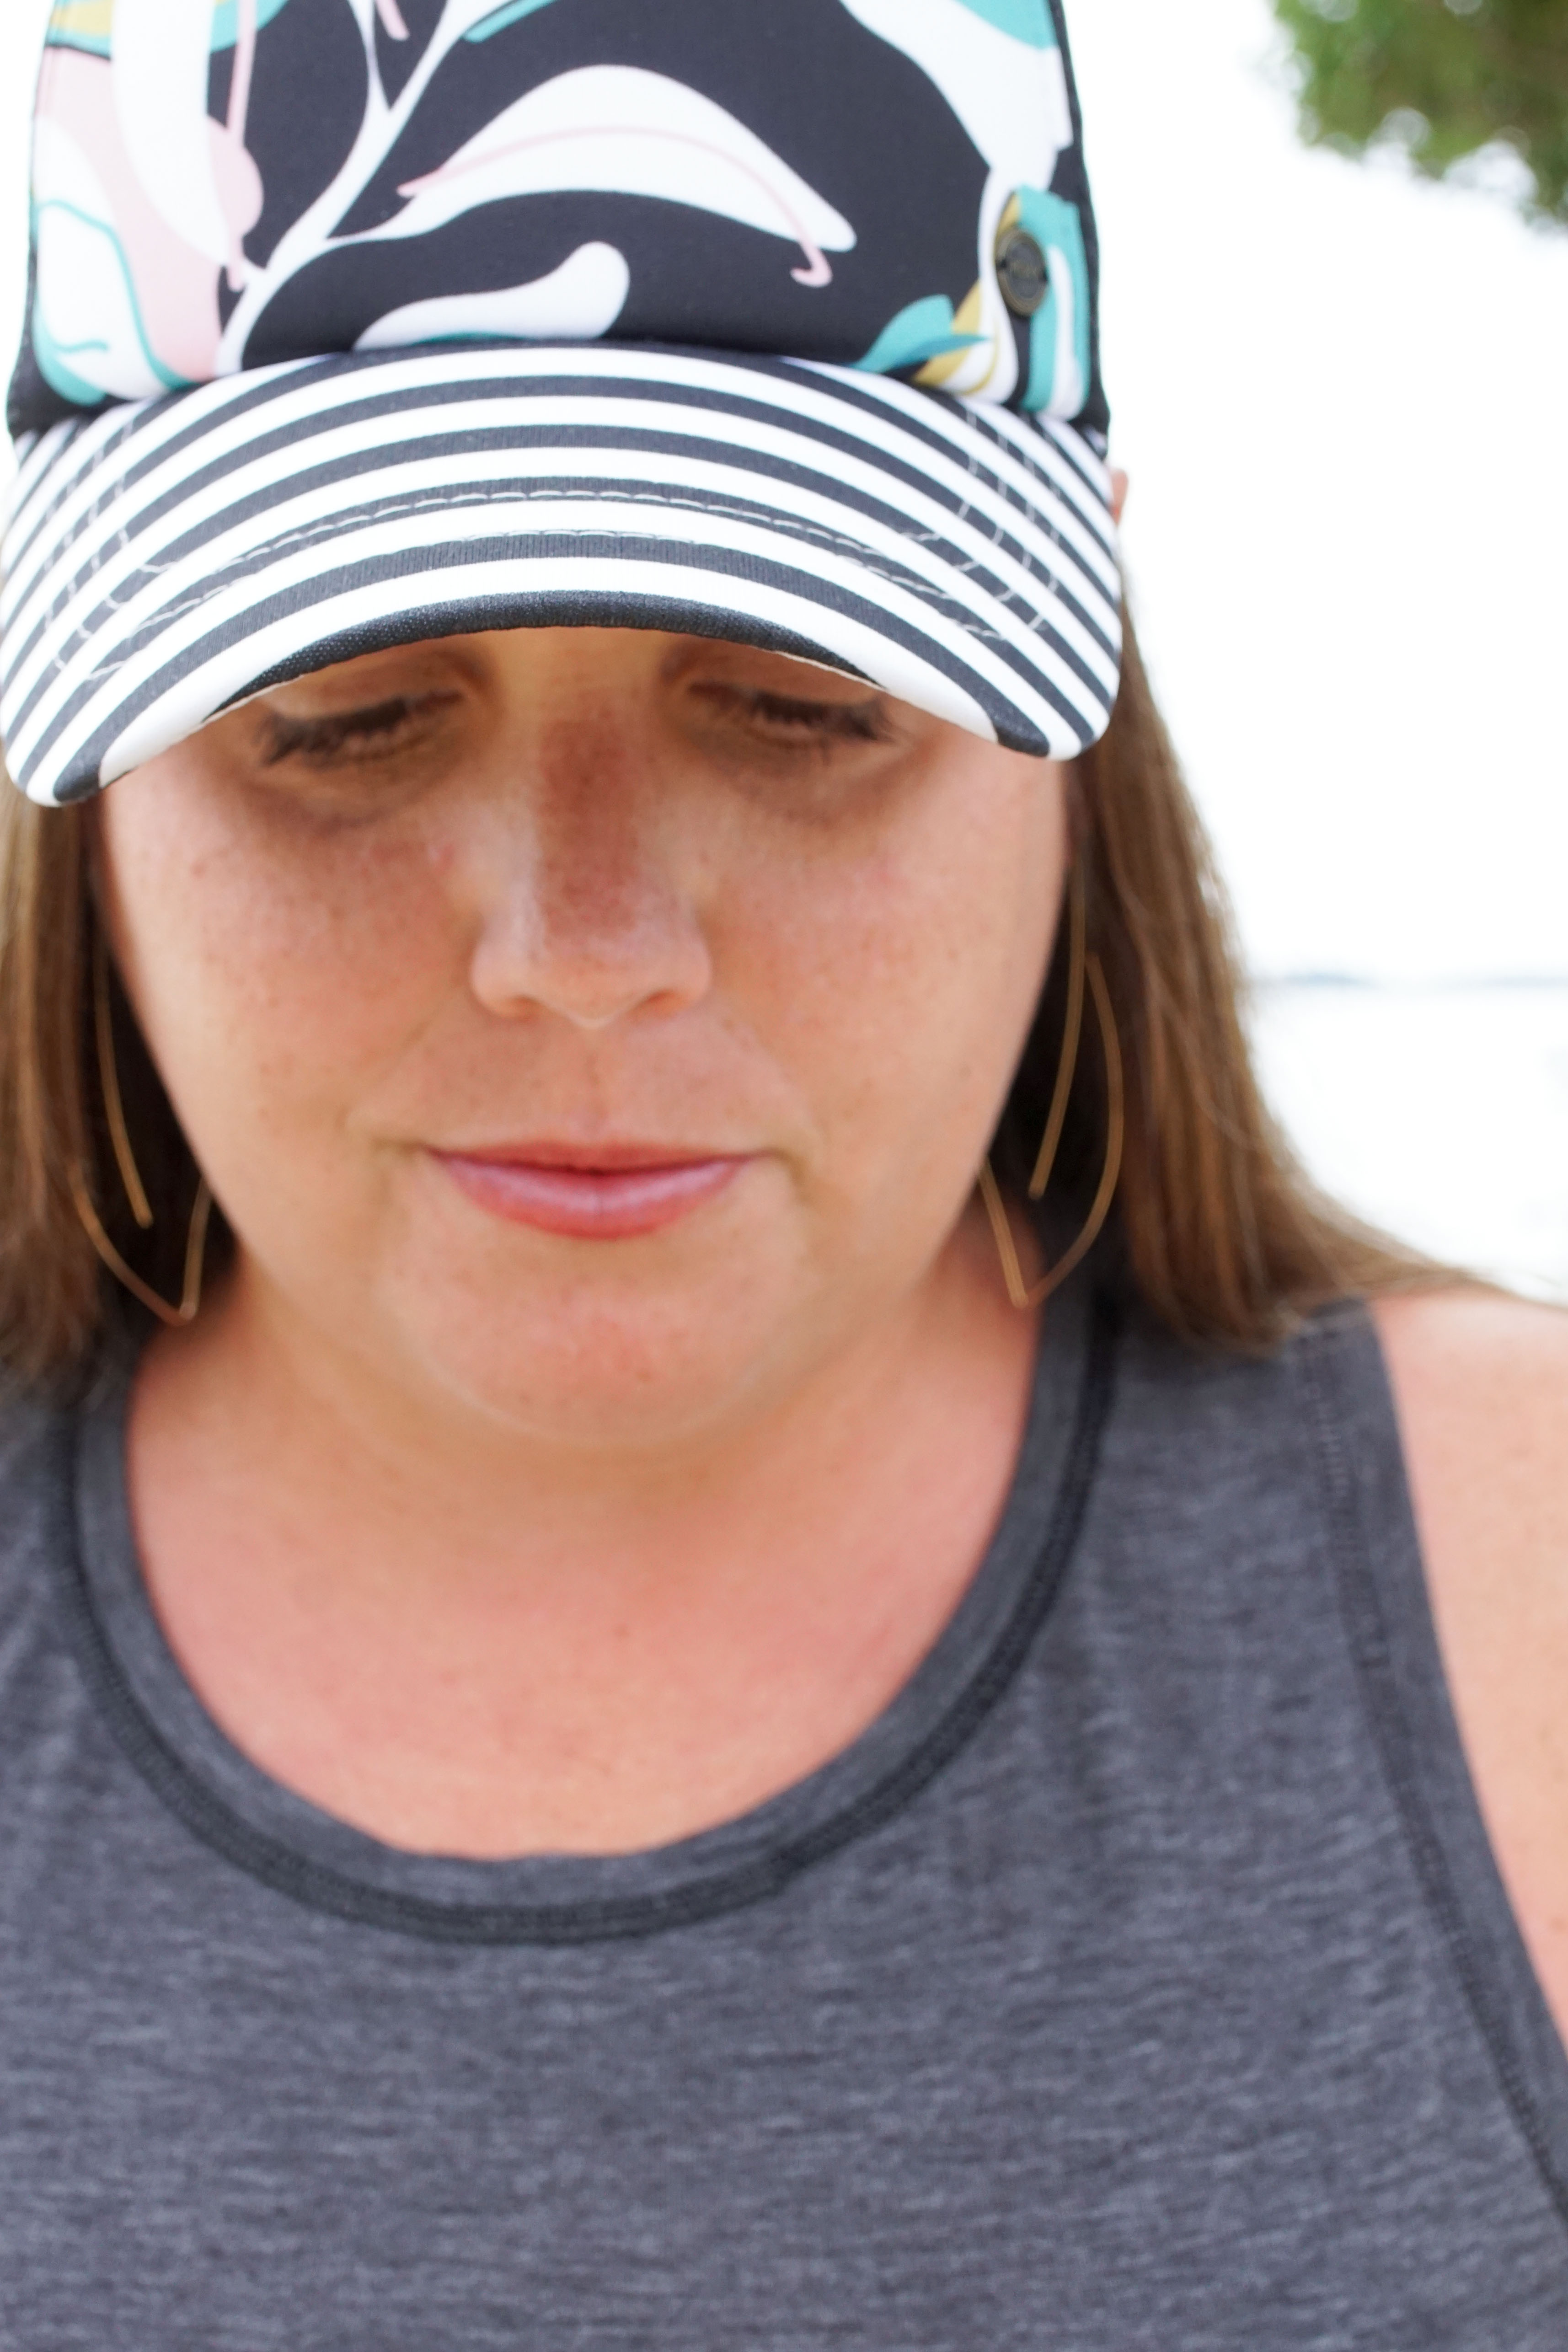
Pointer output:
169, 557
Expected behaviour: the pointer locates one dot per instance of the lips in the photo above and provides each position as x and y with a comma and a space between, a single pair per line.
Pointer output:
612, 1193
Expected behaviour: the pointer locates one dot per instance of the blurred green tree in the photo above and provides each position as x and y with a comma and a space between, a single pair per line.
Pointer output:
1445, 78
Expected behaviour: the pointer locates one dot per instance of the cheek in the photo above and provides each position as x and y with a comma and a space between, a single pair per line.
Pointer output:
903, 982
272, 977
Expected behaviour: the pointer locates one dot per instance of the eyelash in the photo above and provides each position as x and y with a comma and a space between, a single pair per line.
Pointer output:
374, 730
824, 722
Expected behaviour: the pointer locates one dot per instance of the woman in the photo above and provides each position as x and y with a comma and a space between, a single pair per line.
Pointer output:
711, 1630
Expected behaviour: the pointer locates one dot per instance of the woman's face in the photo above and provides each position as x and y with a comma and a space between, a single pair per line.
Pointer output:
600, 1027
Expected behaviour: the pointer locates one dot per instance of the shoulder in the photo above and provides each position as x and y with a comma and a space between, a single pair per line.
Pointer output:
1480, 1388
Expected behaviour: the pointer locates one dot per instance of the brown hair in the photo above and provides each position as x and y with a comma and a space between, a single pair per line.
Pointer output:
1215, 1223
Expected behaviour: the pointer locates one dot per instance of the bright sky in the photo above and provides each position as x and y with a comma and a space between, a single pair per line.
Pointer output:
1343, 399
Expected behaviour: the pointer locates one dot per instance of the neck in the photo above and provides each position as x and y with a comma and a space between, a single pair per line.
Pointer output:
511, 1606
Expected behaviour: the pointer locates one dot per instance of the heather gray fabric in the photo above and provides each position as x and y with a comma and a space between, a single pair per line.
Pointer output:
1142, 1980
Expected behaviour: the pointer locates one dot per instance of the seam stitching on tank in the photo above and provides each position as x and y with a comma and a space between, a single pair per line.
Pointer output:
266, 1860
1375, 1678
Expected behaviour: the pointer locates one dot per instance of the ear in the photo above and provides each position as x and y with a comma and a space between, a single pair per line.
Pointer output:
1118, 492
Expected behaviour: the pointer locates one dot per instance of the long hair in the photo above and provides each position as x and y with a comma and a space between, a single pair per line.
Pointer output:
1219, 1227
1215, 1223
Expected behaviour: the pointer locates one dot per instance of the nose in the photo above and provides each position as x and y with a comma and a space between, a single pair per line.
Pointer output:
586, 908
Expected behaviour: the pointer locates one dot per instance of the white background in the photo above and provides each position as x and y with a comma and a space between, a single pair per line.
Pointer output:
1343, 396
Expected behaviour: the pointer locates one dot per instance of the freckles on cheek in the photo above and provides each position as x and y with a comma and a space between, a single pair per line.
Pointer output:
858, 967
323, 966
816, 947
274, 979
906, 978
940, 926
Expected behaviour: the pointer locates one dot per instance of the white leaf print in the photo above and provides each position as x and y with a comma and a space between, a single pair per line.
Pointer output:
622, 130
1010, 95
161, 53
87, 308
575, 303
457, 20
611, 128
380, 133
381, 127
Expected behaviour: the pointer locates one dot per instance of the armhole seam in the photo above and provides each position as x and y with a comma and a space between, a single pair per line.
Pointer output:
1376, 1679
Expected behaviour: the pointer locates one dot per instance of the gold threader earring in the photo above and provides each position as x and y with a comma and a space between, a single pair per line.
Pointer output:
1084, 974
130, 1175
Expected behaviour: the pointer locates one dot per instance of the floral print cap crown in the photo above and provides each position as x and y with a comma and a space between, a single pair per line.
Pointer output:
250, 216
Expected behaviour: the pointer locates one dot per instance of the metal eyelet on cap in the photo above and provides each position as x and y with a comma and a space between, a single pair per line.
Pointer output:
1021, 270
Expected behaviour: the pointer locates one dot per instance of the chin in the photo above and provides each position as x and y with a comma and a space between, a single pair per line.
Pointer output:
601, 1361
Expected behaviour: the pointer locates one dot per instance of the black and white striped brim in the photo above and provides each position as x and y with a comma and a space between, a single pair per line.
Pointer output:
168, 558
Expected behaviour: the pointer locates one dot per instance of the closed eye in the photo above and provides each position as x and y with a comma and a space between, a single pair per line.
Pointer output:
787, 717
377, 729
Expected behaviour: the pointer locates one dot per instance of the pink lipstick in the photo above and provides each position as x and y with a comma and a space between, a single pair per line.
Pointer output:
590, 1193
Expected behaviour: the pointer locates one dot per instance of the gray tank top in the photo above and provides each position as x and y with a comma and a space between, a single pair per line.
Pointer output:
1142, 1978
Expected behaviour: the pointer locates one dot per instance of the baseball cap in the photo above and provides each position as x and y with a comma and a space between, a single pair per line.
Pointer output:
354, 322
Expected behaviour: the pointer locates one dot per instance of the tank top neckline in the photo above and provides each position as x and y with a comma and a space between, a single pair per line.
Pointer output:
311, 1856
